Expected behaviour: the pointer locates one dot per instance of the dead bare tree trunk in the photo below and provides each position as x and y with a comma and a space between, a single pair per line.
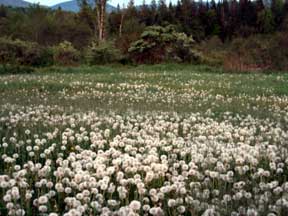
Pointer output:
101, 17
121, 23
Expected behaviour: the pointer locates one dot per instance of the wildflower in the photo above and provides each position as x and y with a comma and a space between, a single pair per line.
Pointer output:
135, 205
42, 200
43, 208
7, 198
171, 203
15, 193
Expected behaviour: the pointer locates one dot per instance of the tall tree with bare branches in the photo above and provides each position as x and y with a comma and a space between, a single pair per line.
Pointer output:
101, 18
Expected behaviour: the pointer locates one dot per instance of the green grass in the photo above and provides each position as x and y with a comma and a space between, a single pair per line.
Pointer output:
148, 90
167, 87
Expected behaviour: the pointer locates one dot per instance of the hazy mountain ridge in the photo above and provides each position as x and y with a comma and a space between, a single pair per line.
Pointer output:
15, 3
74, 7
71, 6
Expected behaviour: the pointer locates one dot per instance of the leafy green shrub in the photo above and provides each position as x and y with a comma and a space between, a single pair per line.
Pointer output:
278, 51
103, 53
247, 54
65, 54
182, 51
19, 52
258, 52
158, 44
131, 32
213, 50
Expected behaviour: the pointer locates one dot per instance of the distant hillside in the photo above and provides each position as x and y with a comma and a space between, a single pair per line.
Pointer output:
74, 7
14, 3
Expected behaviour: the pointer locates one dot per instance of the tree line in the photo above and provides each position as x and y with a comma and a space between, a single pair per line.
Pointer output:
226, 19
94, 28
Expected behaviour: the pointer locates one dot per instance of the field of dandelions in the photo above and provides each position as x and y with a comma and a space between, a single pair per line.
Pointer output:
143, 141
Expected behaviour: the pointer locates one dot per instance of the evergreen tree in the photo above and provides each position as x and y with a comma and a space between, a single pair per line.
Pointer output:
3, 11
286, 7
115, 21
260, 5
163, 15
153, 7
131, 9
212, 26
145, 14
3, 18
277, 8
86, 14
265, 21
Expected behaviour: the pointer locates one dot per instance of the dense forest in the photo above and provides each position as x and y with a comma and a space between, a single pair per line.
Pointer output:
244, 34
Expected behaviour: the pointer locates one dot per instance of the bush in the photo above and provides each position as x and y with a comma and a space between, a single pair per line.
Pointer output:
182, 51
258, 52
214, 51
284, 26
278, 51
17, 52
158, 44
103, 53
65, 54
130, 33
247, 54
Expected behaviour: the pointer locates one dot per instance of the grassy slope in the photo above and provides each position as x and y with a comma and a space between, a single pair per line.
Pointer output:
181, 88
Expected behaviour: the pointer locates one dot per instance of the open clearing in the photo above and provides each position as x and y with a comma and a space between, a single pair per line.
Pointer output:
147, 140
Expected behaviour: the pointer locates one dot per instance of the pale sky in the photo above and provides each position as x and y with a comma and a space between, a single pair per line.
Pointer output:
112, 2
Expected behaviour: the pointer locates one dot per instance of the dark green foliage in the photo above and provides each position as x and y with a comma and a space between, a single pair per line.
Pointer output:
284, 26
182, 50
265, 21
158, 44
277, 7
132, 29
227, 20
201, 19
103, 53
65, 54
278, 51
213, 51
45, 26
259, 52
19, 52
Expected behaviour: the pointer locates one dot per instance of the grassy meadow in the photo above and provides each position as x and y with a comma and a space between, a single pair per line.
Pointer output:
148, 140
179, 88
